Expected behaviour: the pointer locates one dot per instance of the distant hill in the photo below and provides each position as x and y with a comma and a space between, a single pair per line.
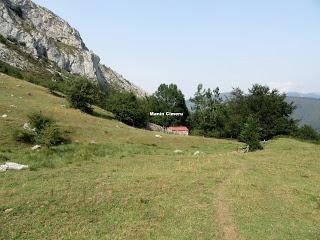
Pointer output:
308, 108
304, 95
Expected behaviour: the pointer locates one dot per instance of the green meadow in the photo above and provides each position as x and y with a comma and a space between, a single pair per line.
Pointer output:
117, 182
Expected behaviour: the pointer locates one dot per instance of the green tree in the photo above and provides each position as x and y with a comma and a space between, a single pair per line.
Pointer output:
129, 109
251, 134
269, 108
209, 115
168, 98
82, 94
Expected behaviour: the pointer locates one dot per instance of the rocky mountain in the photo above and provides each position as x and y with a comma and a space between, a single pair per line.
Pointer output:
31, 34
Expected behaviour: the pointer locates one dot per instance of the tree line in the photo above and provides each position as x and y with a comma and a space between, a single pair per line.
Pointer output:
260, 114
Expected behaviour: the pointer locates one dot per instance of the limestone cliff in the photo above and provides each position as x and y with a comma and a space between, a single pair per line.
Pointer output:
40, 34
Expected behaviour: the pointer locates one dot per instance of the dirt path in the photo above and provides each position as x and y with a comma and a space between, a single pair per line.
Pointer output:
224, 211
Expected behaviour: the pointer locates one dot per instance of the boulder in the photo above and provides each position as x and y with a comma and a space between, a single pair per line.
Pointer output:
14, 166
36, 147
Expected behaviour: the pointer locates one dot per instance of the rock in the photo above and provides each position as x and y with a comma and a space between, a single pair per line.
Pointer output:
3, 168
4, 116
40, 34
158, 136
15, 166
177, 151
8, 210
155, 127
196, 153
27, 127
36, 147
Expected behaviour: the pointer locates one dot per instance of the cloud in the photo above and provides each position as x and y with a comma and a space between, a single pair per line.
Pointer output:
283, 86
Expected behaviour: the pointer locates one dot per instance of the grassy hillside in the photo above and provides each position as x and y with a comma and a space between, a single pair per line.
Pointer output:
117, 182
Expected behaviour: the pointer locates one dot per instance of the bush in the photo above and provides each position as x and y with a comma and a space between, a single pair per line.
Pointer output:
25, 136
82, 94
9, 70
53, 87
51, 135
38, 121
251, 133
42, 130
308, 133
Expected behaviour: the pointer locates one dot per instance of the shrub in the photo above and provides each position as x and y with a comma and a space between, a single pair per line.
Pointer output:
53, 87
51, 135
251, 133
308, 133
82, 94
9, 70
39, 121
25, 136
43, 130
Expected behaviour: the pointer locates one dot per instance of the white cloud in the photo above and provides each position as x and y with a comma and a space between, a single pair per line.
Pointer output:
283, 86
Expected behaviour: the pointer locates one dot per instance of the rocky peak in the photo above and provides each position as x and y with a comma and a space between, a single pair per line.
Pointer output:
44, 35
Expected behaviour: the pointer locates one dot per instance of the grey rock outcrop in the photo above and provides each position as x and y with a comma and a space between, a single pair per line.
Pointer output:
43, 35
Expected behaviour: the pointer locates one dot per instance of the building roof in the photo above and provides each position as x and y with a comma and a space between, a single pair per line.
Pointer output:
180, 128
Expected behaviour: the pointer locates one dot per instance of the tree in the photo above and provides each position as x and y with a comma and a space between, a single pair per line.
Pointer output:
209, 115
269, 108
168, 98
82, 94
251, 134
129, 109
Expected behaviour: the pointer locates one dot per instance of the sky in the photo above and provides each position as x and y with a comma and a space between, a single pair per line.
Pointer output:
226, 43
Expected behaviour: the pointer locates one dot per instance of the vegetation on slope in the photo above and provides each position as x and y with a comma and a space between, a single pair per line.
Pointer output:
117, 182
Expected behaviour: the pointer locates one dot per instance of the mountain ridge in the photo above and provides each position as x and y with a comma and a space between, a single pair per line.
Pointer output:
42, 35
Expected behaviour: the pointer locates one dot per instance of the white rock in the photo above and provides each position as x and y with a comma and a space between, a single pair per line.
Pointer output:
196, 153
3, 168
158, 136
36, 147
15, 166
27, 127
177, 151
4, 116
8, 210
